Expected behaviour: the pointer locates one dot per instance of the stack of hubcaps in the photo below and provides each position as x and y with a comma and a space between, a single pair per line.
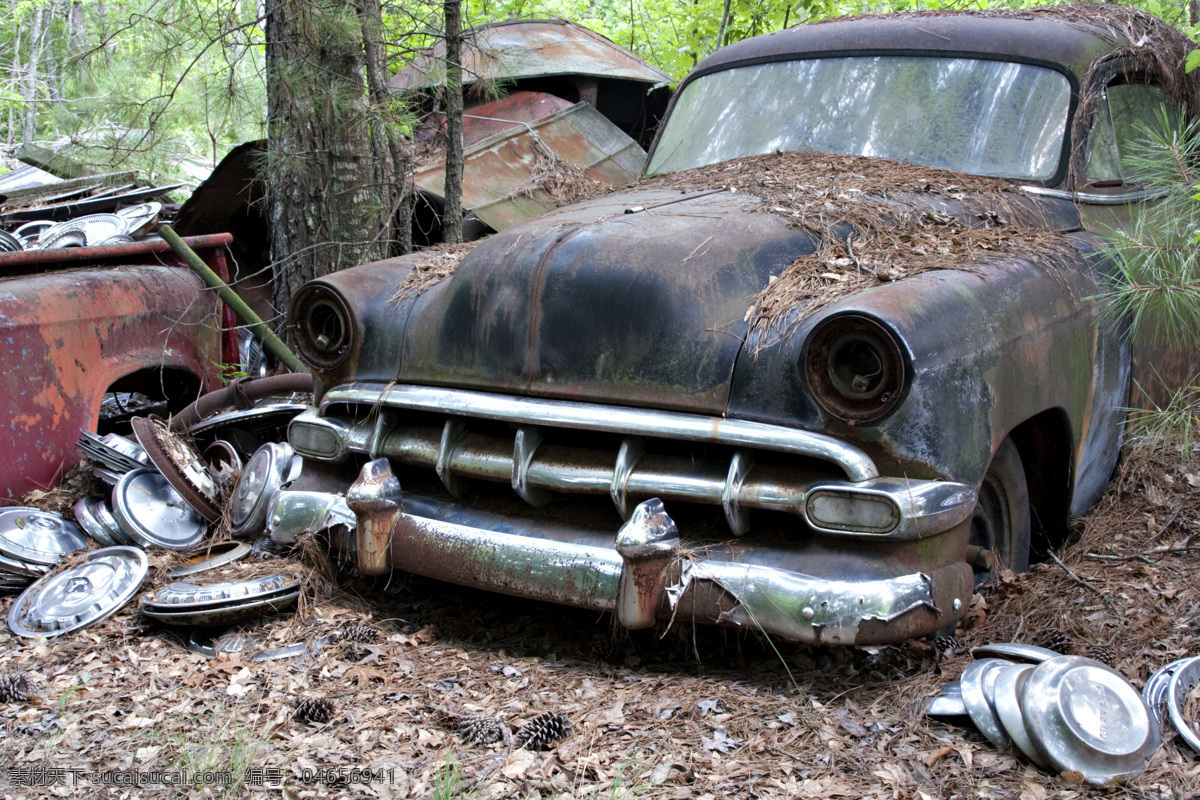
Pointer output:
1065, 713
31, 542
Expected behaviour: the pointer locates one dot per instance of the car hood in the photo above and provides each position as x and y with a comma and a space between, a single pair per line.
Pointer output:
636, 298
641, 297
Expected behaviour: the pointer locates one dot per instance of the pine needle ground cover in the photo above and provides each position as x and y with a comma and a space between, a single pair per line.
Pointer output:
692, 713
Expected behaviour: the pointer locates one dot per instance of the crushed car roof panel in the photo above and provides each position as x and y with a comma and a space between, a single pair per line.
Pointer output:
531, 49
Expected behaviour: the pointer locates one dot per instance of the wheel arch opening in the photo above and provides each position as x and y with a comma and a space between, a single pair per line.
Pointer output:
1044, 443
151, 390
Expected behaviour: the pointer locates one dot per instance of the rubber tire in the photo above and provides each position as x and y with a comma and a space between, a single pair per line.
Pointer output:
1000, 521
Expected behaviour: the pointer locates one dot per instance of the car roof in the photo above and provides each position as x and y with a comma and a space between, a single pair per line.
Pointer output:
531, 48
1072, 36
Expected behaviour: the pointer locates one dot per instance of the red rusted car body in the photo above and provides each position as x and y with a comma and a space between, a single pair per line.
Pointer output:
78, 323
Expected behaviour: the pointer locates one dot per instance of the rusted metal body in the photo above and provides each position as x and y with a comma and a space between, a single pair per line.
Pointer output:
552, 56
601, 355
508, 114
571, 95
78, 323
92, 204
536, 48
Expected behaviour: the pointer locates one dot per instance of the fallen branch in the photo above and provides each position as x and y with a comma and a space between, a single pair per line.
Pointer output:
1144, 556
1166, 524
1088, 586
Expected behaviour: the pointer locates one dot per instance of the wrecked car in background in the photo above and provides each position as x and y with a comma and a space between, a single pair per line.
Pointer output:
837, 356
576, 109
97, 327
573, 116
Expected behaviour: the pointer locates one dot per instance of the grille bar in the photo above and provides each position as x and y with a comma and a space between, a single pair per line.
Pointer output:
857, 465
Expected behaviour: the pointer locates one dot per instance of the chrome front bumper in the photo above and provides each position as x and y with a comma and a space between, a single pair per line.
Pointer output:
648, 575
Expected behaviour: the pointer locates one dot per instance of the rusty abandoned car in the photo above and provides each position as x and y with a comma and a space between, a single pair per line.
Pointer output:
87, 325
838, 352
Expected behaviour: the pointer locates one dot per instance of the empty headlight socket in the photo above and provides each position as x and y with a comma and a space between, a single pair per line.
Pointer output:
855, 367
323, 326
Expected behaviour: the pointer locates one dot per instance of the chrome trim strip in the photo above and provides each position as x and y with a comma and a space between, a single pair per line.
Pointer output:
614, 419
453, 432
925, 508
1095, 198
807, 609
525, 445
631, 452
541, 569
736, 516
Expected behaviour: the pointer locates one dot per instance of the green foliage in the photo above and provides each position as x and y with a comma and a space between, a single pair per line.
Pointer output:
222, 744
159, 84
448, 780
671, 34
1158, 283
151, 84
1174, 423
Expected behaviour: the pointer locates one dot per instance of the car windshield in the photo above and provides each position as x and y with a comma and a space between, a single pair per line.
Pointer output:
990, 118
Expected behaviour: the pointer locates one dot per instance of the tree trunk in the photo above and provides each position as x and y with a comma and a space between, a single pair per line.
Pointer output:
452, 214
102, 26
721, 32
53, 77
17, 74
393, 167
78, 36
325, 209
29, 89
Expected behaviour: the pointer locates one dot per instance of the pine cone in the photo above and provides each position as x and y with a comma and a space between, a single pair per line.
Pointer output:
543, 730
611, 651
1054, 639
363, 634
948, 646
314, 709
15, 687
1104, 654
479, 728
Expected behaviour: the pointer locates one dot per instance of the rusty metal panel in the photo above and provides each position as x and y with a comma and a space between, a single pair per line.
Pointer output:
67, 336
515, 49
26, 261
507, 114
497, 171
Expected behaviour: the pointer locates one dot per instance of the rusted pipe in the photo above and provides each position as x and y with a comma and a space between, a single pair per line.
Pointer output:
231, 298
375, 499
242, 393
26, 260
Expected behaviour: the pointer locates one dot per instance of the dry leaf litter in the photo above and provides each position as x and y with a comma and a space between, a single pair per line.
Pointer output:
872, 221
687, 712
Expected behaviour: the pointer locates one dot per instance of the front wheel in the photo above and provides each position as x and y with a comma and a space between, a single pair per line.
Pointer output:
1000, 522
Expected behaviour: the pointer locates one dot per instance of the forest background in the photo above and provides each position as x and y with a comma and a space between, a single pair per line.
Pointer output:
169, 86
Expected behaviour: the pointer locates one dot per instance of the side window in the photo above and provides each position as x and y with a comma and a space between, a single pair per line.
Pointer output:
1121, 113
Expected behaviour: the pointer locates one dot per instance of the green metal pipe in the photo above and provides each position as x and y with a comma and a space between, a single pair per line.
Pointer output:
244, 313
